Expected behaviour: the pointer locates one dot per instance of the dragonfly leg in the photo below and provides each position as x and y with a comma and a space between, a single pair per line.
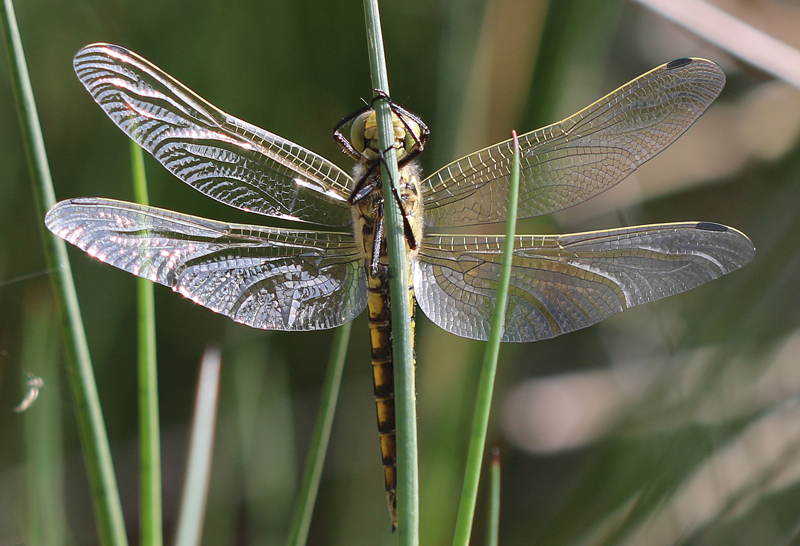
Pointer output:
407, 229
363, 187
375, 263
339, 137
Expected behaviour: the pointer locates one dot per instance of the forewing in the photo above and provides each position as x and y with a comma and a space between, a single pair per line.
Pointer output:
569, 162
276, 279
561, 283
224, 157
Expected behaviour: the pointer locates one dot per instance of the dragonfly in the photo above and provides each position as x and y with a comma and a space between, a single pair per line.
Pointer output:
310, 279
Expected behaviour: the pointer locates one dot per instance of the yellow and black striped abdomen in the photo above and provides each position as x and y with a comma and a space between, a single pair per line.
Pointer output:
380, 329
369, 230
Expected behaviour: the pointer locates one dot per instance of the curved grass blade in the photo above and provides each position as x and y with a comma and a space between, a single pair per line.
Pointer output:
748, 43
319, 442
94, 440
480, 423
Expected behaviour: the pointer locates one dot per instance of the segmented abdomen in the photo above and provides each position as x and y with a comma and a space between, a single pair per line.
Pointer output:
380, 329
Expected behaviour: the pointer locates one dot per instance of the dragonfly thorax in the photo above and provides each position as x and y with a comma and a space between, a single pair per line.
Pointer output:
369, 220
364, 136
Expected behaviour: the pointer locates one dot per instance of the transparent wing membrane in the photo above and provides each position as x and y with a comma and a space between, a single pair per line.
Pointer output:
287, 279
224, 157
571, 161
277, 279
560, 283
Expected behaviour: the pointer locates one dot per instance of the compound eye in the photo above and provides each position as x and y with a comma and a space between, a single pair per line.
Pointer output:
357, 137
412, 136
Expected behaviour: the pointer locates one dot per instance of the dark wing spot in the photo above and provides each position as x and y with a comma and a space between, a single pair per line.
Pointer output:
678, 63
711, 226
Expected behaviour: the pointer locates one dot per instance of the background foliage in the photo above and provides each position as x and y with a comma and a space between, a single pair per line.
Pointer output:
675, 422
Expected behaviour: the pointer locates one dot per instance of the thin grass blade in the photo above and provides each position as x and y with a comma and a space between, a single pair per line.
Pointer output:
201, 447
733, 35
94, 440
150, 525
319, 442
480, 423
402, 333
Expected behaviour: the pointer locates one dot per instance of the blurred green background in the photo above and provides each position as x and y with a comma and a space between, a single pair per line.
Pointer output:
676, 422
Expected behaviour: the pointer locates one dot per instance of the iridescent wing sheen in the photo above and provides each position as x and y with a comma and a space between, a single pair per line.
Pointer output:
222, 156
560, 283
277, 279
575, 159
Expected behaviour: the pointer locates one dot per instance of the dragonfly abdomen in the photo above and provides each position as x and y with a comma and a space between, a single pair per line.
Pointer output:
380, 335
380, 328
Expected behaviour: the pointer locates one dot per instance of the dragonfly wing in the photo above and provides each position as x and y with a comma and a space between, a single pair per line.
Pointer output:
222, 156
561, 283
277, 279
571, 161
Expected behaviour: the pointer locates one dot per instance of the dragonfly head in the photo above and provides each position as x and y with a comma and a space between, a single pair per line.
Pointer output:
408, 136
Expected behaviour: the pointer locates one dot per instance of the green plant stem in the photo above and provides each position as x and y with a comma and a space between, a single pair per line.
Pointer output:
201, 447
94, 441
402, 333
149, 437
319, 441
480, 422
493, 523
